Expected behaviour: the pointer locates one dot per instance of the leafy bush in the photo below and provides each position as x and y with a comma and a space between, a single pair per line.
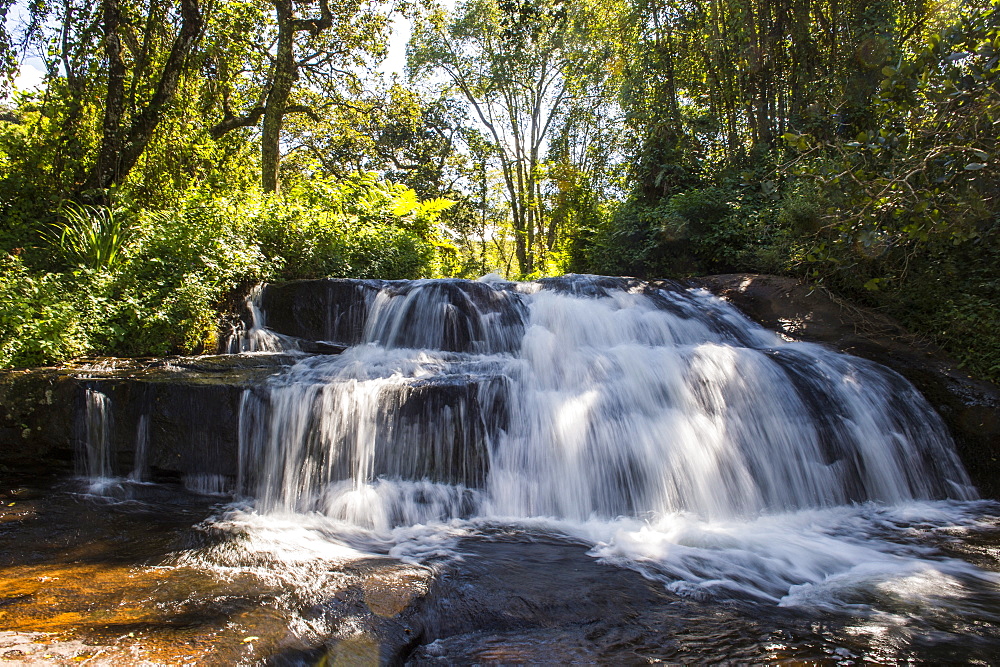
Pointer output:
90, 236
359, 227
44, 317
695, 231
154, 286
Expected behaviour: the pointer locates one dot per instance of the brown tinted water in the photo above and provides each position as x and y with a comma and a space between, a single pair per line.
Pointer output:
135, 576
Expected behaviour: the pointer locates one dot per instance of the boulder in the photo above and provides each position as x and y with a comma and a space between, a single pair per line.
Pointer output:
38, 410
188, 407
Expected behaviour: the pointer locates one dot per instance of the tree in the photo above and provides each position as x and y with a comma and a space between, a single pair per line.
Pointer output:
134, 53
298, 52
511, 60
408, 136
128, 126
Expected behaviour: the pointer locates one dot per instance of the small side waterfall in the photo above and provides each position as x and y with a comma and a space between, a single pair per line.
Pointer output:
252, 335
96, 462
580, 398
140, 463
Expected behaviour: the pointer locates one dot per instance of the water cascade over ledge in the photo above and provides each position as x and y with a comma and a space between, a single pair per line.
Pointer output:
580, 398
506, 443
653, 422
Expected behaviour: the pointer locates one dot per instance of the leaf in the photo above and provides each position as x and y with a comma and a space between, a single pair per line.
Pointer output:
406, 203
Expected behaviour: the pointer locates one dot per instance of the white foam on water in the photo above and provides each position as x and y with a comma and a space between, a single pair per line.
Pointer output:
869, 560
847, 557
658, 426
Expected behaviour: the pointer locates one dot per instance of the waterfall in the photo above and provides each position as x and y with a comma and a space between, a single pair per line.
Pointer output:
97, 436
252, 335
139, 466
581, 398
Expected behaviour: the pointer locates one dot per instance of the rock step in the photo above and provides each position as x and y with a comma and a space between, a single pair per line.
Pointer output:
187, 413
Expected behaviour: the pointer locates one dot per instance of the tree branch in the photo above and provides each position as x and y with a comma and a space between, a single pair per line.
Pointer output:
230, 122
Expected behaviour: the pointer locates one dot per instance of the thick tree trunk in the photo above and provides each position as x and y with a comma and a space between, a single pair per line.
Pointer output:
106, 169
282, 80
120, 150
145, 123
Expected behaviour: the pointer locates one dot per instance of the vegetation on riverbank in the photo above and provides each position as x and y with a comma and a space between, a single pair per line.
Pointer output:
180, 149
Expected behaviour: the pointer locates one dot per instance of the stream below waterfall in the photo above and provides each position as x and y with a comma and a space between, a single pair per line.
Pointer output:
575, 470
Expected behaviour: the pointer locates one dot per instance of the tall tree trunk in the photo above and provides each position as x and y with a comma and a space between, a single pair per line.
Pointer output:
106, 170
120, 150
146, 121
286, 72
277, 98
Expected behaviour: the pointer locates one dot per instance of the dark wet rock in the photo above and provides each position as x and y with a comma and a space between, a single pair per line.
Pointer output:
332, 309
334, 312
433, 429
602, 286
37, 414
190, 407
187, 411
545, 601
969, 407
321, 347
447, 427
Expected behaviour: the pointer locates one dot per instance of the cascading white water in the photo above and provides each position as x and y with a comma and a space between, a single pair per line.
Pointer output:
139, 465
253, 336
97, 436
579, 399
655, 422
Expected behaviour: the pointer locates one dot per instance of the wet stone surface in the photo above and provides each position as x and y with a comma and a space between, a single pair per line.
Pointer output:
135, 577
107, 580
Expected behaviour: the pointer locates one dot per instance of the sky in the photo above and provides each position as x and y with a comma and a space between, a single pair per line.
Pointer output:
395, 61
32, 69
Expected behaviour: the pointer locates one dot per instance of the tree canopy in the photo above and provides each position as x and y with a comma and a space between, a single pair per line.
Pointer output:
181, 149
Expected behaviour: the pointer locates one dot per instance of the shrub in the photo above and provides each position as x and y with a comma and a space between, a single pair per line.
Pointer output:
154, 285
44, 317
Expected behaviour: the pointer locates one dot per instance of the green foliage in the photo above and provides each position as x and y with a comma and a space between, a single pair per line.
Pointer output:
852, 143
707, 230
90, 236
40, 316
158, 293
360, 227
